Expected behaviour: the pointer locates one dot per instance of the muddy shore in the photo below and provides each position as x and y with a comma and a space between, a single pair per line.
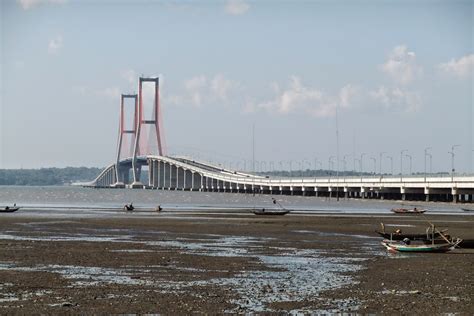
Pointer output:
207, 263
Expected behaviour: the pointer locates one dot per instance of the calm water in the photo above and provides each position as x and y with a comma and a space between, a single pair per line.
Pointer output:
78, 198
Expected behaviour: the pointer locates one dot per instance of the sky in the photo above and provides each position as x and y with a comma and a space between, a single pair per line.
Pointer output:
384, 76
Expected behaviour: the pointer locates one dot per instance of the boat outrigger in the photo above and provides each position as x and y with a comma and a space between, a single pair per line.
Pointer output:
399, 235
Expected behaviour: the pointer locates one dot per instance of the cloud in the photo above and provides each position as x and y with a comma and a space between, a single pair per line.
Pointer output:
201, 90
55, 45
30, 4
110, 92
196, 87
463, 67
401, 65
236, 7
221, 86
298, 98
347, 95
130, 76
397, 98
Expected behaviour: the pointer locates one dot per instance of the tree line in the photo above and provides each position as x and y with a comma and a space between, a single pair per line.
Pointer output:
48, 176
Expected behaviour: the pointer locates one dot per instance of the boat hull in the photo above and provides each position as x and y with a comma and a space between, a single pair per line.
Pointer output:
416, 248
9, 210
407, 211
270, 212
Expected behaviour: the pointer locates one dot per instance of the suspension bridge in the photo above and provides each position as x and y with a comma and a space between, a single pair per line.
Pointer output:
141, 156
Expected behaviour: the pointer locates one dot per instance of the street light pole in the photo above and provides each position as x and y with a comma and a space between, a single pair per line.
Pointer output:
345, 163
375, 164
452, 160
426, 153
361, 162
431, 162
380, 162
409, 156
391, 164
401, 161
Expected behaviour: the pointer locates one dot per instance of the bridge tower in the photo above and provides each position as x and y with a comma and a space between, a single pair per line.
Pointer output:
127, 152
149, 133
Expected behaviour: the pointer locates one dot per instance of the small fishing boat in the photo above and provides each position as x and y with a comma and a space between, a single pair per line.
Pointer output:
128, 207
407, 247
263, 211
432, 244
408, 211
399, 235
8, 209
467, 209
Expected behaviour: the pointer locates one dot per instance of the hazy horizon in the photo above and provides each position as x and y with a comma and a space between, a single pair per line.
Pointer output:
398, 73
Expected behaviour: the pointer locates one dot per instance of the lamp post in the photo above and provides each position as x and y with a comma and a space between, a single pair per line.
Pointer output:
380, 162
330, 163
401, 161
409, 156
361, 161
345, 163
431, 160
391, 164
375, 164
426, 154
452, 160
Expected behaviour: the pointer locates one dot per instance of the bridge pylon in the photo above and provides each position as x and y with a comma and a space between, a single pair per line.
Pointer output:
122, 173
149, 136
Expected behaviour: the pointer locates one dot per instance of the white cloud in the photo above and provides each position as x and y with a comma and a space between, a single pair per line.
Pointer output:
130, 76
30, 4
196, 87
295, 97
201, 90
397, 98
347, 95
298, 98
401, 65
111, 92
463, 67
236, 7
55, 45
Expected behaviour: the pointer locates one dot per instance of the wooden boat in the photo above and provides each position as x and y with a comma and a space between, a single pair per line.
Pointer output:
408, 211
128, 207
399, 235
9, 209
270, 212
404, 247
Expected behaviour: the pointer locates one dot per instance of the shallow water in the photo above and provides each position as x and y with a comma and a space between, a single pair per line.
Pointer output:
71, 199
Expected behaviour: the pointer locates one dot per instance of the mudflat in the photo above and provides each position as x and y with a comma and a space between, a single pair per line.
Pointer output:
190, 262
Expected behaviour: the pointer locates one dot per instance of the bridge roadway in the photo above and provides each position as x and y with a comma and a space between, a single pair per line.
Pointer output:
173, 173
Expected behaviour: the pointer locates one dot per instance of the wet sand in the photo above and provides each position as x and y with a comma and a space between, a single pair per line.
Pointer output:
177, 263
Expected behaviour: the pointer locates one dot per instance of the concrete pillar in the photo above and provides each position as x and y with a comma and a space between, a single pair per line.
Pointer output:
157, 174
184, 179
171, 173
454, 193
150, 173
